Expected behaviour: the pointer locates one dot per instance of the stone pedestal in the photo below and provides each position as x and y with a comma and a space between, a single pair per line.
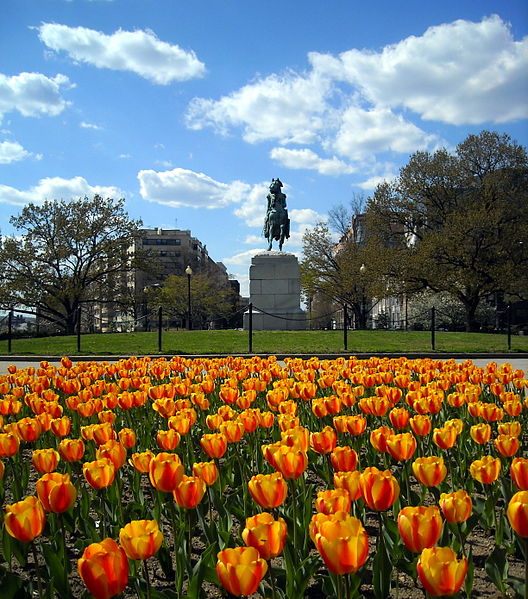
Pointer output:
275, 292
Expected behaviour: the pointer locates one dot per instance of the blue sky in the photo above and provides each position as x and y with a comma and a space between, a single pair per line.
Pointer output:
189, 109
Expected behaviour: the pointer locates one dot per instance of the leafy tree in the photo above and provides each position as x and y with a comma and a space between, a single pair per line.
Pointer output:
449, 312
455, 223
211, 298
67, 253
334, 270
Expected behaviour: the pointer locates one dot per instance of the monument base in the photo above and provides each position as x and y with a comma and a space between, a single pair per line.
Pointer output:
275, 293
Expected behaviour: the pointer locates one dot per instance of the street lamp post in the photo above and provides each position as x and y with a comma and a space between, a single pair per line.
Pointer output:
189, 272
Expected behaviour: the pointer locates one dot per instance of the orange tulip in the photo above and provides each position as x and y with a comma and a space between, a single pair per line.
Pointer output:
356, 425
512, 428
440, 572
141, 461
507, 445
268, 490
240, 570
517, 513
419, 527
9, 445
379, 489
189, 491
323, 441
480, 433
101, 433
114, 451
430, 471
491, 412
486, 470
45, 460
344, 459
291, 462
519, 473
456, 506
2, 470
342, 542
99, 473
207, 471
298, 436
56, 492
165, 471
127, 437
29, 429
71, 450
379, 436
349, 481
25, 520
214, 444
61, 427
168, 440
265, 534
333, 500
445, 437
399, 418
232, 430
420, 425
401, 446
103, 568
140, 539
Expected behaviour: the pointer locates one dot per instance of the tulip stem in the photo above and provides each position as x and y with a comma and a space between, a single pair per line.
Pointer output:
147, 578
35, 558
64, 553
272, 580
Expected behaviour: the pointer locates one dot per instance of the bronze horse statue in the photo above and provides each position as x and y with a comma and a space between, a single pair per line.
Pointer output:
277, 223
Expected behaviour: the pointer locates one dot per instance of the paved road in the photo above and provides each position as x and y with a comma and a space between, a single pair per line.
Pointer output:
521, 363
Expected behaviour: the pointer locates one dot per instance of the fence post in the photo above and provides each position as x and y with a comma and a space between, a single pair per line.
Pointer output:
250, 329
508, 325
79, 329
10, 331
433, 311
160, 327
345, 329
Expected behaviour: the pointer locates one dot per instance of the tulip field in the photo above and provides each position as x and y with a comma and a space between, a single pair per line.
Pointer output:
220, 477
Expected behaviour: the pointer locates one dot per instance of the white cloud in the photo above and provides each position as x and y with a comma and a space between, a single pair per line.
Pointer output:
362, 103
373, 182
305, 216
138, 51
56, 188
457, 73
12, 151
290, 108
85, 125
32, 94
308, 159
253, 210
366, 132
182, 187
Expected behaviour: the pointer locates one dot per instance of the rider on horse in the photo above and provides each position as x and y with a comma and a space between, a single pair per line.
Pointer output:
277, 223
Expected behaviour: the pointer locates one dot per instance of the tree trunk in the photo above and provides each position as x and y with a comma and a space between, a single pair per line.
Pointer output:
472, 325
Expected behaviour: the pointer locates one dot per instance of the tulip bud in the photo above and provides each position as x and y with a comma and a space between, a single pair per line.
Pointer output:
56, 492
140, 539
25, 520
440, 572
240, 570
103, 568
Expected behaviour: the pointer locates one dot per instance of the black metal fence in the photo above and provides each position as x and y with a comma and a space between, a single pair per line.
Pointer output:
7, 329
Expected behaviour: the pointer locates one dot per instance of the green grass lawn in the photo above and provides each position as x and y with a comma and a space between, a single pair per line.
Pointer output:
266, 342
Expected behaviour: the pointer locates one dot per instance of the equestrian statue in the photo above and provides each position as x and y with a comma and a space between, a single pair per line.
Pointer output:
277, 223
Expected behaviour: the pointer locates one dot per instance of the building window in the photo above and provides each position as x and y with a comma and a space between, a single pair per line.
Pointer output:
161, 241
